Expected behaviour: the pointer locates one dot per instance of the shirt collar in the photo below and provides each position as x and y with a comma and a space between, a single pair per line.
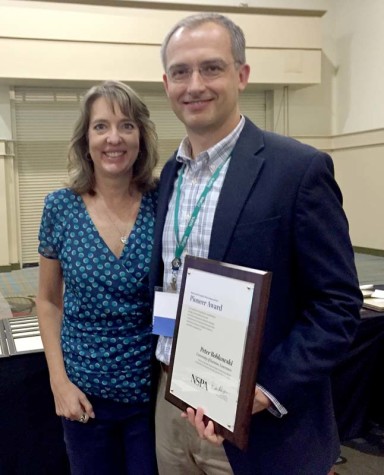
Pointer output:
217, 153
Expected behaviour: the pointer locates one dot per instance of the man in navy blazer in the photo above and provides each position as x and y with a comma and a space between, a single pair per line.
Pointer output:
274, 205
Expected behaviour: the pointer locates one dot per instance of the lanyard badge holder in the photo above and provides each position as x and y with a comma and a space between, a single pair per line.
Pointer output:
176, 261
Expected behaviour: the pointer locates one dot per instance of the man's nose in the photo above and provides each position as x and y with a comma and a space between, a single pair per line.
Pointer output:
196, 81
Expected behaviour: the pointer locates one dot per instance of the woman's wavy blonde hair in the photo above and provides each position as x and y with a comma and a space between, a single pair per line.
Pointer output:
80, 166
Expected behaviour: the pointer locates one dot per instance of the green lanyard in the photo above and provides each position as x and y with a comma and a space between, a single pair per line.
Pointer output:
176, 262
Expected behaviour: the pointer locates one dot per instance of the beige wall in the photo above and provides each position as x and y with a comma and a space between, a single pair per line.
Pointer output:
4, 241
75, 42
8, 206
355, 46
359, 165
307, 5
352, 94
359, 169
354, 43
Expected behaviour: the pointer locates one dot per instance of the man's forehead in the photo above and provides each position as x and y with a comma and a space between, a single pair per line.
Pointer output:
185, 40
196, 30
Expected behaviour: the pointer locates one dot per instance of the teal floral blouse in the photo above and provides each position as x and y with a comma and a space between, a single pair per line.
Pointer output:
106, 332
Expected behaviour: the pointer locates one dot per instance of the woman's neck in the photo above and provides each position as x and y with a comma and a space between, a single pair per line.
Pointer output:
116, 191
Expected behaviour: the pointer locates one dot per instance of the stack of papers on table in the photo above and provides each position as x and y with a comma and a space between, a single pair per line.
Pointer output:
19, 335
373, 298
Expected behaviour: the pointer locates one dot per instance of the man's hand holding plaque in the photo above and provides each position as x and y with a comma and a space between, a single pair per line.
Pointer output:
207, 430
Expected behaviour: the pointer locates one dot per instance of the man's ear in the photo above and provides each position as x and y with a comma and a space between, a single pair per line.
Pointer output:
165, 83
244, 72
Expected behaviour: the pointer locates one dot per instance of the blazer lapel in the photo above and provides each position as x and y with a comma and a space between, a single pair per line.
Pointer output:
244, 168
165, 193
166, 189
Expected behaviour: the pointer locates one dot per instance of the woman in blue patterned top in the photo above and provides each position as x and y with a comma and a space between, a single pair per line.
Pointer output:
93, 302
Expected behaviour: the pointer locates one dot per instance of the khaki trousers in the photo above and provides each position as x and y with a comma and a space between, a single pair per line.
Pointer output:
179, 449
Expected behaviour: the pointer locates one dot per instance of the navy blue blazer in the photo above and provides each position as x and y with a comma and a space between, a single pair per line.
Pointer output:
280, 209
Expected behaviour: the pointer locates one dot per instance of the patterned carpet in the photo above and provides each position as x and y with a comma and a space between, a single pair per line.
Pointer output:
22, 282
18, 290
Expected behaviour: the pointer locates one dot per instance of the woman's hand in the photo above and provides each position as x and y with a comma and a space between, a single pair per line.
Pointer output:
71, 402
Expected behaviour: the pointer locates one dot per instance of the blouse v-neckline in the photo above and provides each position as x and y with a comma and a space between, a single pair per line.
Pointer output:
123, 251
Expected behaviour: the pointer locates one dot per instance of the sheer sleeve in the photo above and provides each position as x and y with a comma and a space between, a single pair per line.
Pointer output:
51, 227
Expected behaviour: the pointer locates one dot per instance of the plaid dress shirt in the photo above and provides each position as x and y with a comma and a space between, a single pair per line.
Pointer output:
197, 173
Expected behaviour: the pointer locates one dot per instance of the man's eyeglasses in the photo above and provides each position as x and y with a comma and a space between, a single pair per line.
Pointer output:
208, 70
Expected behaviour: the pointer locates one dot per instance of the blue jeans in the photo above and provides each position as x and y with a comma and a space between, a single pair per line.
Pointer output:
119, 441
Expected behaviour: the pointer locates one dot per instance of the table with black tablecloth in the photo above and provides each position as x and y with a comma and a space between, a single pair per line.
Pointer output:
31, 438
358, 382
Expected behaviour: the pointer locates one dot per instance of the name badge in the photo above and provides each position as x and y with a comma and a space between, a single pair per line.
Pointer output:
164, 313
